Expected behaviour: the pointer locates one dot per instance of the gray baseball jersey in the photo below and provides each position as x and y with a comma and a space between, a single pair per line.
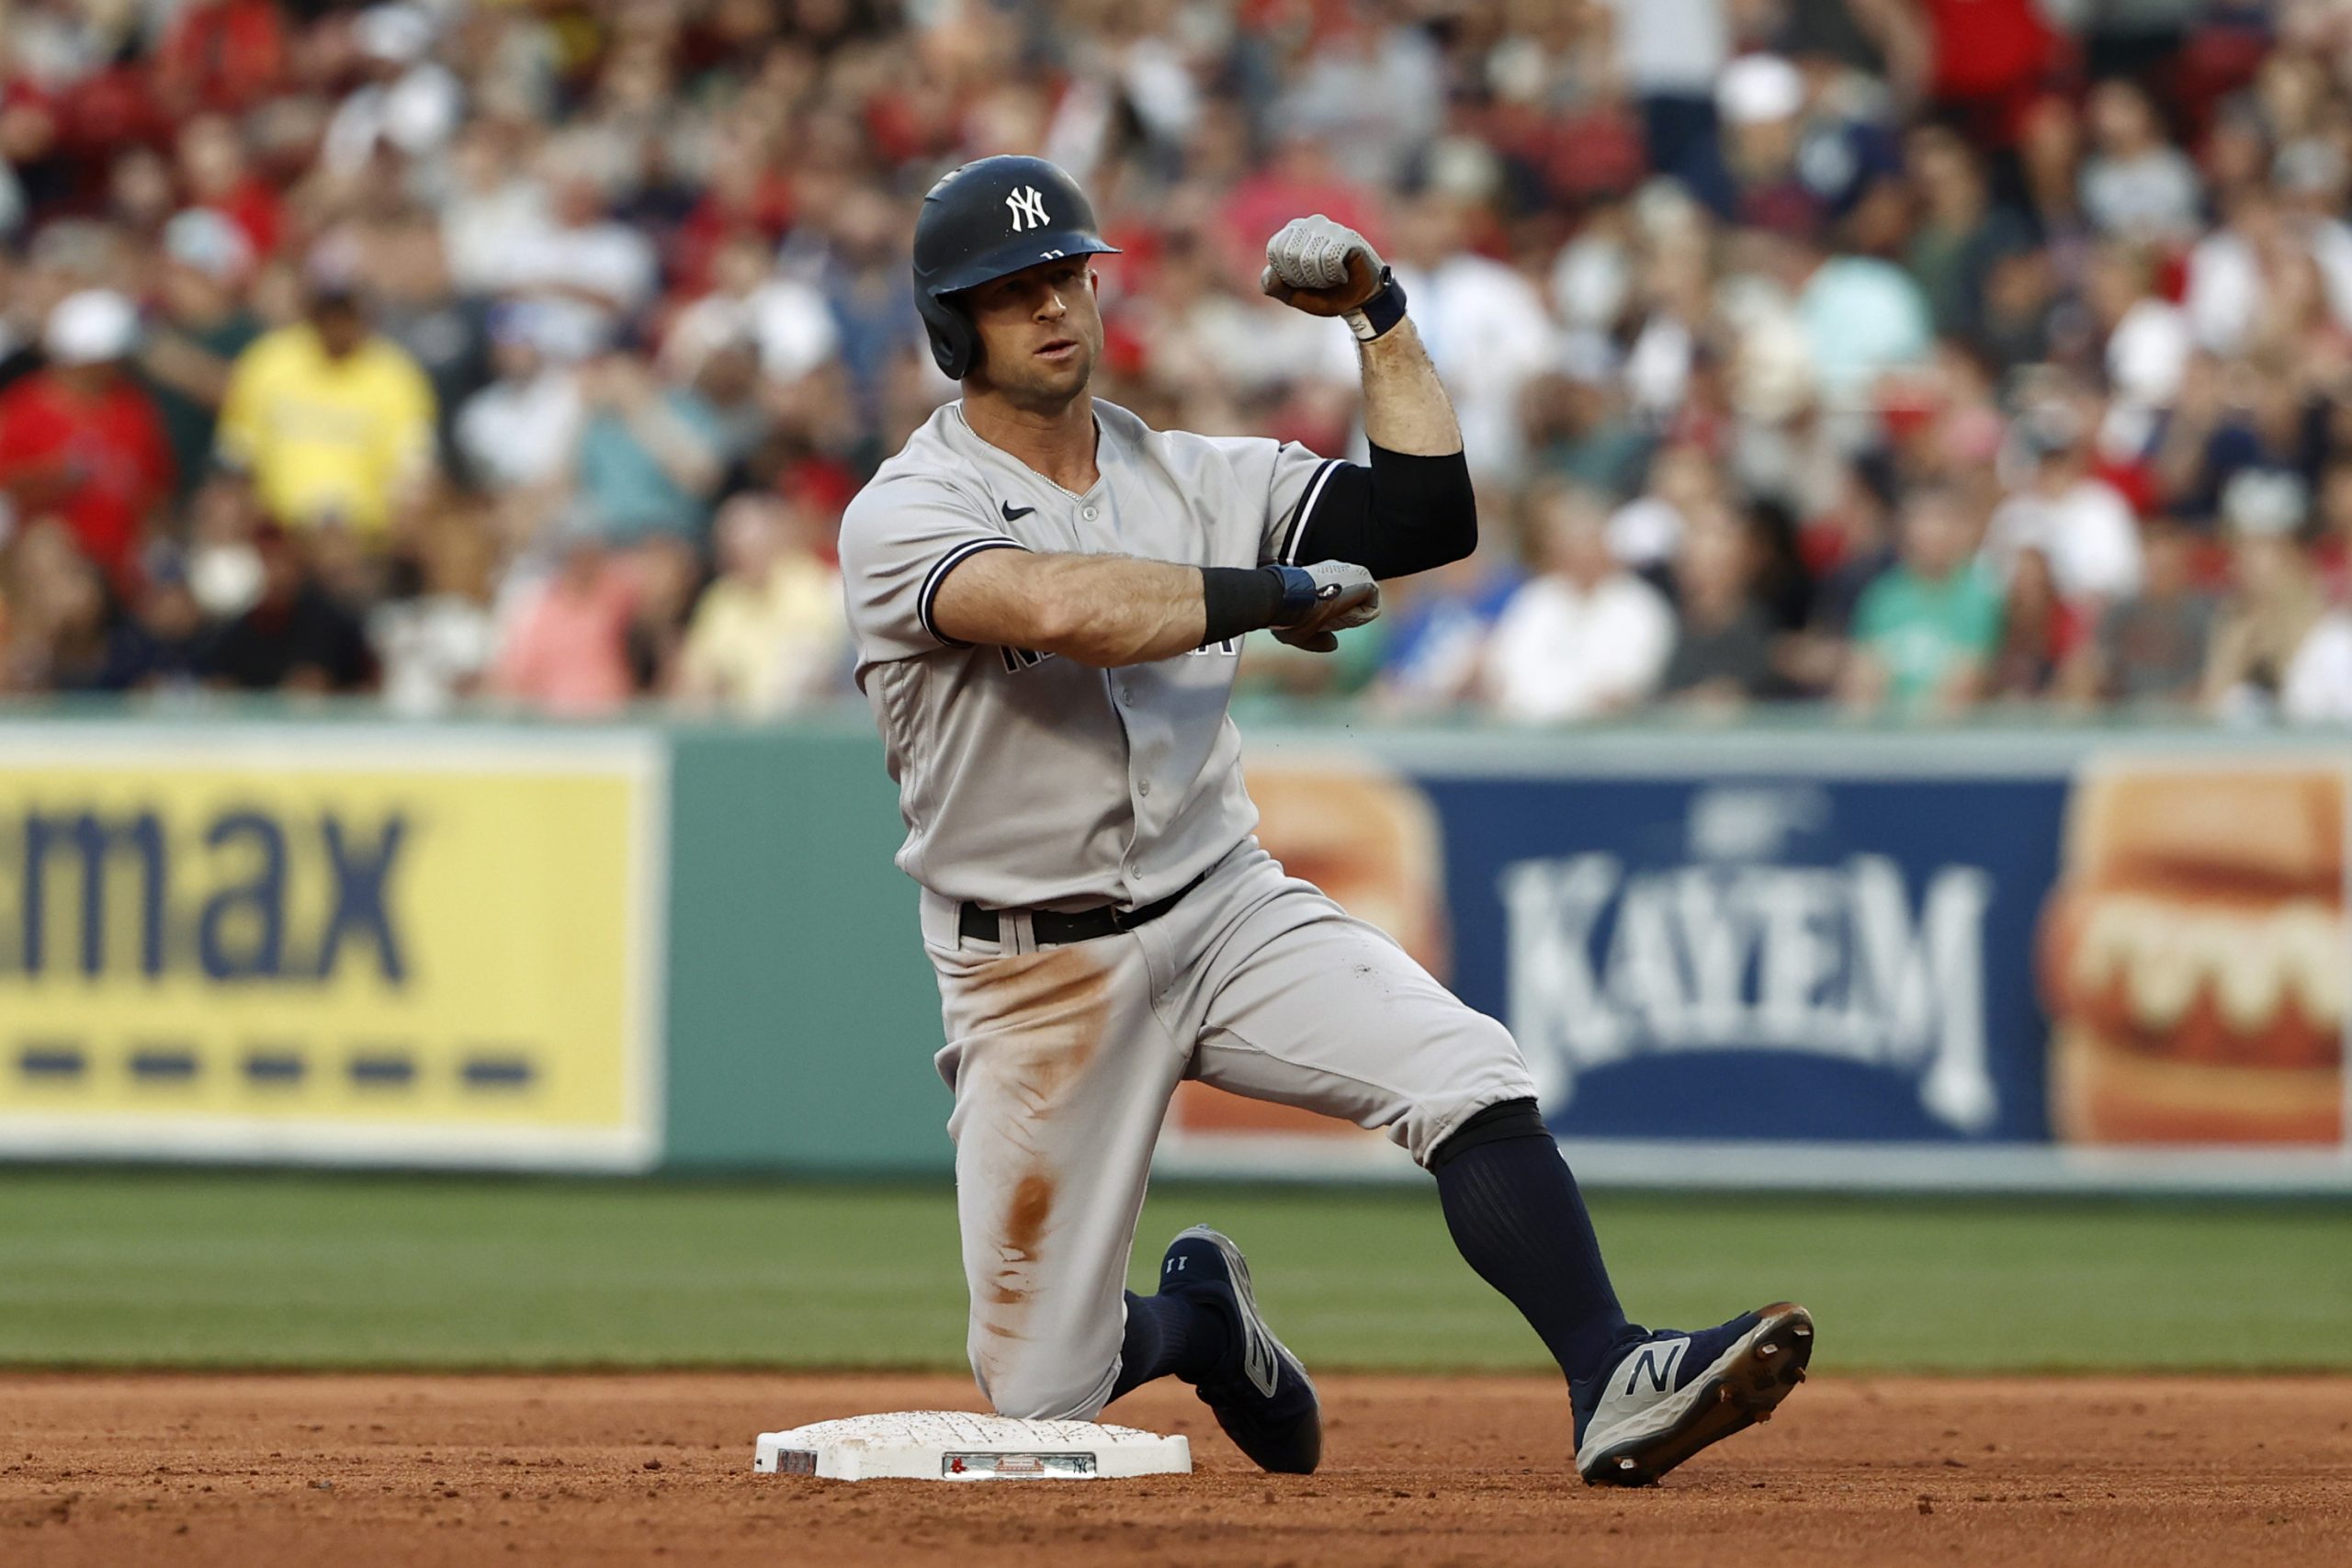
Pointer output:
1031, 780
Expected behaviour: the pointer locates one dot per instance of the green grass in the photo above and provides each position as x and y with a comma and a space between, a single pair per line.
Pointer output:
173, 1268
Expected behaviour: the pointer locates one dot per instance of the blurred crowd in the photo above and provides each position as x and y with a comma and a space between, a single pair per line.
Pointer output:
1909, 354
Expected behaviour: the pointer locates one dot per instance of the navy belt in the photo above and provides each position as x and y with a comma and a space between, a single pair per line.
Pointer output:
1054, 928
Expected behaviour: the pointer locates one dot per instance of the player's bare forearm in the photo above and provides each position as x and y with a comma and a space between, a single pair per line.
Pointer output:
1405, 406
1412, 508
1105, 611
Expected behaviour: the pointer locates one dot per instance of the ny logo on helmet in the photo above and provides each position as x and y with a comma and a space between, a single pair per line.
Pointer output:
1028, 208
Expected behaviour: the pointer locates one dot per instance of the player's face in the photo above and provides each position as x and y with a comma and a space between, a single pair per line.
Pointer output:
1041, 330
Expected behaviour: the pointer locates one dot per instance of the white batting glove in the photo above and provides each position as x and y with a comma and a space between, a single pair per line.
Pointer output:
1345, 596
1328, 270
1321, 267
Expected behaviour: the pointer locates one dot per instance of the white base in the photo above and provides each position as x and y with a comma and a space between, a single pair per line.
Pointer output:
957, 1444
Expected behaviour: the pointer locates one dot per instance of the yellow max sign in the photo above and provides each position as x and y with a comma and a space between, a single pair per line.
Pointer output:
325, 945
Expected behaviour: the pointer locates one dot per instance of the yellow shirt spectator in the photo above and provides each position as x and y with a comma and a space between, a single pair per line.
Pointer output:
327, 438
767, 646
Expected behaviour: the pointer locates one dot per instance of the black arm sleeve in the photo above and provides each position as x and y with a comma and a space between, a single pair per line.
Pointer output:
1400, 515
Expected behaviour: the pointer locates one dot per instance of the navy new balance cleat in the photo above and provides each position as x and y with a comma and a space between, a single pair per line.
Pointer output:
1263, 1397
1669, 1394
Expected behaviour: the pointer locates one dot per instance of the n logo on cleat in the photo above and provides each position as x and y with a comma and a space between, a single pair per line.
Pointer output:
1656, 1362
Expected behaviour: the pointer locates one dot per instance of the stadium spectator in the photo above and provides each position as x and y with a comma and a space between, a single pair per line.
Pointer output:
649, 456
2136, 186
80, 440
1797, 264
768, 635
2149, 651
1926, 631
1723, 655
1858, 317
2280, 648
295, 637
518, 432
1438, 627
2078, 523
332, 422
1583, 638
565, 647
1487, 327
435, 647
1961, 237
199, 326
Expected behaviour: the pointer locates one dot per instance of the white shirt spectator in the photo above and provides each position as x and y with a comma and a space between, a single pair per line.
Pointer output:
1645, 531
609, 259
432, 649
482, 232
2318, 685
2147, 354
417, 114
1487, 331
1671, 48
1373, 102
2151, 198
1561, 653
2087, 532
515, 434
786, 317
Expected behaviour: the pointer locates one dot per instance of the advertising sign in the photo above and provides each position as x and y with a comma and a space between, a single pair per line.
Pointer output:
327, 945
2122, 969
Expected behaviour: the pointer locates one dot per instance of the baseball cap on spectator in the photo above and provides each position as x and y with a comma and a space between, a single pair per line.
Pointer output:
204, 239
395, 35
90, 328
2265, 503
1756, 89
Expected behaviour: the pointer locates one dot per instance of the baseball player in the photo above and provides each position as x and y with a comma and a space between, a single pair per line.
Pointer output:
1049, 598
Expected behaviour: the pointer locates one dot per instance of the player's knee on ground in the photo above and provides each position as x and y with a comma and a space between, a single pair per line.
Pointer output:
1037, 1382
1033, 1371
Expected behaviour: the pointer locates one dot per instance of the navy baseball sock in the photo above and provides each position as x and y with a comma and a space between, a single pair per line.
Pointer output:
1169, 1334
1518, 1221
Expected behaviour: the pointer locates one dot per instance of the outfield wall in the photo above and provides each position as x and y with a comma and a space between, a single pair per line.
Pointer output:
1777, 956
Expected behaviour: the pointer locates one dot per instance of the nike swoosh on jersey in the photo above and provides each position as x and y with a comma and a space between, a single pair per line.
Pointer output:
1014, 513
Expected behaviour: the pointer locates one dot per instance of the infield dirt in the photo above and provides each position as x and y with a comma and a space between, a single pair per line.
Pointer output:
262, 1472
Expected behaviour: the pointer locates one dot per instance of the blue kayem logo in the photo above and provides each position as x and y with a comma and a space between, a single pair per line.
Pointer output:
1739, 950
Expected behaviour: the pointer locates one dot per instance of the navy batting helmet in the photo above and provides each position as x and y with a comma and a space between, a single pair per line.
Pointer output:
982, 221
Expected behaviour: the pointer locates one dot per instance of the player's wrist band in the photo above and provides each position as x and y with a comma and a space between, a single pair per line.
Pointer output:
1238, 599
1380, 312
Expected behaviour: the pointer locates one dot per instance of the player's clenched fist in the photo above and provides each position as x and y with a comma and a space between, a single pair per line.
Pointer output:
1321, 267
1333, 596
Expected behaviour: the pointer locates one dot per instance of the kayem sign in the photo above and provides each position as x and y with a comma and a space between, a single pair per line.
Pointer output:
1857, 960
300, 944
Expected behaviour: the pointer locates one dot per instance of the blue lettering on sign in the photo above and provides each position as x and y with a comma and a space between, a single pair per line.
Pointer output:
215, 900
260, 898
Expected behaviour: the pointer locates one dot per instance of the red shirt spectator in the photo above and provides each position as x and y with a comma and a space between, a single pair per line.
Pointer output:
1987, 61
221, 56
80, 440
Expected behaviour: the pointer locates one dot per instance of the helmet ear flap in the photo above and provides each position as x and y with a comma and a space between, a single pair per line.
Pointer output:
954, 342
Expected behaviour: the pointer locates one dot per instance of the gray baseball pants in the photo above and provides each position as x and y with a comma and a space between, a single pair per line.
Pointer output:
1063, 1060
